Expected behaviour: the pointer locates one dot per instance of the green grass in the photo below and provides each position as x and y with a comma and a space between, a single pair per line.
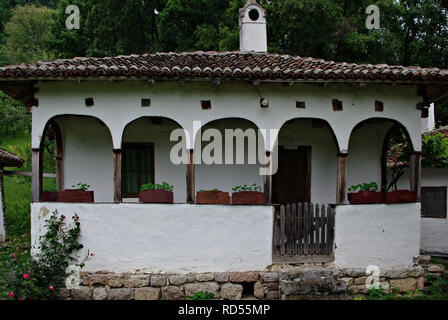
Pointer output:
18, 188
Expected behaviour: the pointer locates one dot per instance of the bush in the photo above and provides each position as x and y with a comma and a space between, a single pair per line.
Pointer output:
40, 277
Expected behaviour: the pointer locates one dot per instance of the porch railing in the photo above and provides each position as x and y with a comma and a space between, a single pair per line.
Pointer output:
303, 233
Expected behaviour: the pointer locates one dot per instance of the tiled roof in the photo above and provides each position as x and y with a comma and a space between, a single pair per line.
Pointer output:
214, 65
9, 160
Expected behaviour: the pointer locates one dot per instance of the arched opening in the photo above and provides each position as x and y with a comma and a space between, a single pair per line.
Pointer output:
369, 158
231, 153
307, 162
80, 148
147, 157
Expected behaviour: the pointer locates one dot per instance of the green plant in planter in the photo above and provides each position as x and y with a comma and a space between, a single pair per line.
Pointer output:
253, 187
151, 186
81, 186
372, 186
216, 190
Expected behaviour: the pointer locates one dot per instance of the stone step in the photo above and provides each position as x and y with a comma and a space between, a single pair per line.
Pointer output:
312, 283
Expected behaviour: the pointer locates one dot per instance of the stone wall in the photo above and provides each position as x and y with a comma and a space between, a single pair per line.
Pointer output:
280, 282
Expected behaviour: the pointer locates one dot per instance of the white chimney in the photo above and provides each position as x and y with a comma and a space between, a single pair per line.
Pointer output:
429, 123
252, 22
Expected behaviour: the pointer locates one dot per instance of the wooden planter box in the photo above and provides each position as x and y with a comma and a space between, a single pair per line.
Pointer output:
49, 196
77, 196
248, 198
366, 197
212, 197
156, 196
401, 196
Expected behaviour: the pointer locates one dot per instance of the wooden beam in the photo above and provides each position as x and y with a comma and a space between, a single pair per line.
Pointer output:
27, 174
59, 157
37, 174
190, 177
268, 180
4, 232
341, 189
416, 173
117, 176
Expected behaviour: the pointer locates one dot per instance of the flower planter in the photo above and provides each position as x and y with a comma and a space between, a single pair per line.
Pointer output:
401, 196
248, 198
366, 197
156, 196
77, 196
212, 197
49, 196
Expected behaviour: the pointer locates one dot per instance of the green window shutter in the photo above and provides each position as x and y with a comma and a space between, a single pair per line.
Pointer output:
137, 167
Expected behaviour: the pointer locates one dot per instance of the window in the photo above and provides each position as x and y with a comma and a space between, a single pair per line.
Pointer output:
434, 202
137, 168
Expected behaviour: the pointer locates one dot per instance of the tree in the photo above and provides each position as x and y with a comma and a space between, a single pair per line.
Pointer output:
28, 33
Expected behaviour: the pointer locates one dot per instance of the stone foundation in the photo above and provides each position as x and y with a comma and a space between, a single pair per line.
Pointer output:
280, 282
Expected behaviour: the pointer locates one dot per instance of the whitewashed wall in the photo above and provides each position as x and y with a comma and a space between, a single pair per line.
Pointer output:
88, 156
381, 235
168, 238
434, 231
118, 103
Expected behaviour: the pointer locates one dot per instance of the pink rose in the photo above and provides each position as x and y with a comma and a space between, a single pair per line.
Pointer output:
20, 298
14, 255
26, 276
51, 288
11, 294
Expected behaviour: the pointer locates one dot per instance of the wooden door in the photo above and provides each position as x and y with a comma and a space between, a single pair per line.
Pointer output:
291, 183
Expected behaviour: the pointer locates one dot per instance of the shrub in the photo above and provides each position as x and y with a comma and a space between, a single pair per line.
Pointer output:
151, 186
253, 187
202, 295
40, 277
372, 186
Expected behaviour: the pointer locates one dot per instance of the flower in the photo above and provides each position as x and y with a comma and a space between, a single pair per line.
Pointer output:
14, 255
91, 254
11, 294
51, 288
20, 298
26, 276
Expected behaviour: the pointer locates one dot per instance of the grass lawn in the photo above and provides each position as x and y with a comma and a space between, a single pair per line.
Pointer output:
18, 188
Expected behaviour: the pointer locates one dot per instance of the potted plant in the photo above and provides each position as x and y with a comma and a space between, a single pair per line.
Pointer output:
156, 193
400, 196
244, 195
213, 196
79, 193
366, 193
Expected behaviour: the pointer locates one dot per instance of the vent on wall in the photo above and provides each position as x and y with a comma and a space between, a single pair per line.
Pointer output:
206, 104
146, 102
379, 106
89, 102
337, 105
300, 104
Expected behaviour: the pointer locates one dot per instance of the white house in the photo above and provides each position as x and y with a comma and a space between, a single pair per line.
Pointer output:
324, 121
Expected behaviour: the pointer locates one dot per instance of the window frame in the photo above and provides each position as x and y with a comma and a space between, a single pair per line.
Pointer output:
445, 203
137, 144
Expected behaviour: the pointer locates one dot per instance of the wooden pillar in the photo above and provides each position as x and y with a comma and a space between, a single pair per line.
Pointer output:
36, 174
117, 175
190, 177
268, 180
59, 157
341, 191
416, 173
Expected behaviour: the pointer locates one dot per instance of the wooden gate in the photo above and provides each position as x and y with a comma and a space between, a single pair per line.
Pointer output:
303, 233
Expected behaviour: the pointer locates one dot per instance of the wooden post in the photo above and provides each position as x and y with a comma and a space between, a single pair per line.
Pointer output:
190, 177
36, 175
341, 193
117, 175
268, 180
59, 157
3, 224
416, 173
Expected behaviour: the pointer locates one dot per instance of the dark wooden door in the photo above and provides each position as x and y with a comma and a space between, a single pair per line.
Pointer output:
291, 183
